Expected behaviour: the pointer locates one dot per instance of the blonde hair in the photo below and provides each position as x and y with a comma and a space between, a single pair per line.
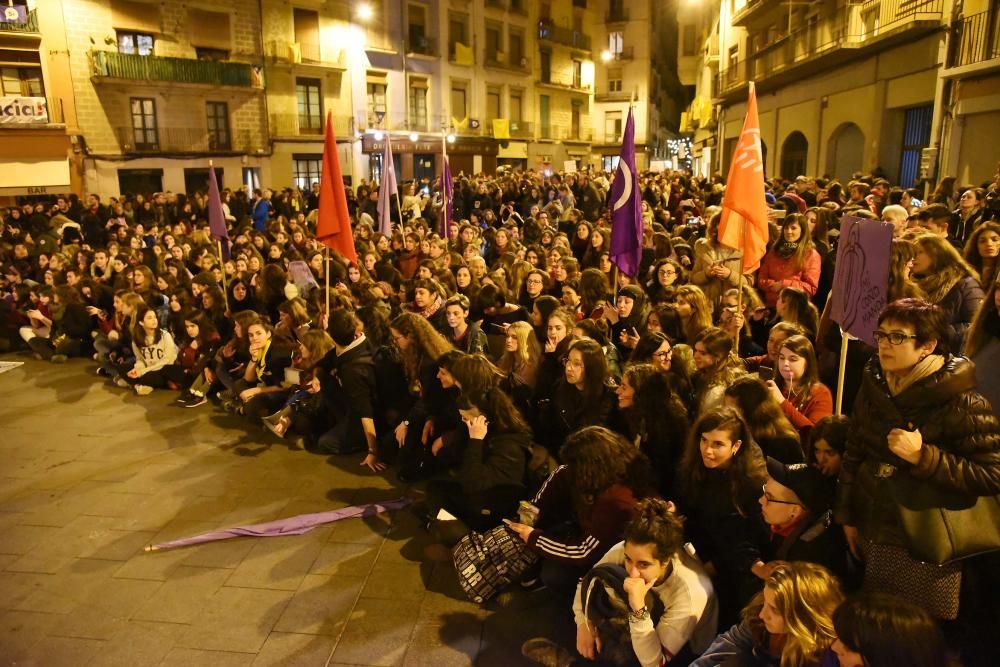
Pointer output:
701, 311
806, 595
528, 351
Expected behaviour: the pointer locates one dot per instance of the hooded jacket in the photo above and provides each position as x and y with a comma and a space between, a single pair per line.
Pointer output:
961, 446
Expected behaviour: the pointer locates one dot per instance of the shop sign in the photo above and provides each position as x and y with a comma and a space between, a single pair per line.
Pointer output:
16, 110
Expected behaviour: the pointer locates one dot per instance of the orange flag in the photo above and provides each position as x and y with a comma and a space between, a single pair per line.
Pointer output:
743, 224
333, 223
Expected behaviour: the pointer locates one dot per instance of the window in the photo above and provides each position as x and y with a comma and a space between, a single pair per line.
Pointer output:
417, 29
310, 106
492, 103
577, 74
615, 80
21, 81
574, 121
689, 40
458, 104
516, 105
494, 37
457, 32
218, 126
515, 47
376, 102
144, 134
216, 55
616, 43
916, 137
612, 127
545, 61
306, 170
306, 25
418, 104
135, 43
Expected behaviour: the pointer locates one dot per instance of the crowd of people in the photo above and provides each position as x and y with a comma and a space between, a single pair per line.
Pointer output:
660, 451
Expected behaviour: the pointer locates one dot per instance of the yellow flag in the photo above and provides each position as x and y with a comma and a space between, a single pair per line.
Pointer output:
501, 128
463, 54
460, 124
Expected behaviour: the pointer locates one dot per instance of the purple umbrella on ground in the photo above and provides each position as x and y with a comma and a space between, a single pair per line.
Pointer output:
294, 525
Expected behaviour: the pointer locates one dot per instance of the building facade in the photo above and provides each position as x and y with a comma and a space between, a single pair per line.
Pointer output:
37, 114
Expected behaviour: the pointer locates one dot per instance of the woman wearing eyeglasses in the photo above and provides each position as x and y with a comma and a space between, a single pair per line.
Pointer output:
921, 437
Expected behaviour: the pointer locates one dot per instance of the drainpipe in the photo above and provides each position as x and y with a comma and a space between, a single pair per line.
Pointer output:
942, 99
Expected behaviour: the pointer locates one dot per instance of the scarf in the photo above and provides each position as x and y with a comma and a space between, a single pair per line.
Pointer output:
926, 367
786, 249
431, 309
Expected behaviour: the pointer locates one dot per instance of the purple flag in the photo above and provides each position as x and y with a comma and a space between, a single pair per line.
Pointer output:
447, 191
626, 207
861, 277
216, 217
386, 190
294, 525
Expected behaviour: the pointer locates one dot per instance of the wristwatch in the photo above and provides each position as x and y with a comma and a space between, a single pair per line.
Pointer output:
638, 615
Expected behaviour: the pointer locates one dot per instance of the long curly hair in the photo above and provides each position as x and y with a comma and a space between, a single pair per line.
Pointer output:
426, 343
597, 458
806, 595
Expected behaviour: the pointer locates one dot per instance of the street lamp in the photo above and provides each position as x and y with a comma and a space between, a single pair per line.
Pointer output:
451, 137
414, 136
379, 136
365, 11
606, 55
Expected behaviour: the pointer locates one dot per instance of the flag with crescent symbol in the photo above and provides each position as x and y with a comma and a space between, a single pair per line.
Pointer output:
626, 207
743, 223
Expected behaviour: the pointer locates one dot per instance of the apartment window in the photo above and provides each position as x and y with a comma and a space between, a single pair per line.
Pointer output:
417, 29
578, 74
310, 105
516, 105
689, 40
612, 127
144, 134
515, 47
459, 110
306, 170
616, 43
615, 80
135, 43
574, 120
376, 102
734, 56
492, 103
418, 104
21, 81
458, 32
218, 125
306, 25
494, 37
545, 62
215, 55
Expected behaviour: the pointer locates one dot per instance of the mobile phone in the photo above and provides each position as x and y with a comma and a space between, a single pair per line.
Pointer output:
766, 373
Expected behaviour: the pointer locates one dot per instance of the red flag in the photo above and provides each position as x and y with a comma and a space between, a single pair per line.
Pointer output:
743, 224
333, 223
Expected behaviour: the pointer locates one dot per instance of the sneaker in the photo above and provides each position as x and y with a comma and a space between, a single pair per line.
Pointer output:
102, 372
546, 652
121, 383
183, 398
143, 389
59, 358
194, 400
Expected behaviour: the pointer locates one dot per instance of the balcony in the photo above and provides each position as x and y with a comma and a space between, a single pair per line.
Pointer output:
627, 53
975, 45
855, 31
754, 10
618, 15
509, 63
293, 126
549, 32
195, 140
305, 53
29, 28
565, 133
41, 112
613, 96
569, 83
421, 46
518, 129
112, 66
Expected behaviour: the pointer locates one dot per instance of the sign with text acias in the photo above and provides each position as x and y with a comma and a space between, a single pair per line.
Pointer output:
861, 277
23, 111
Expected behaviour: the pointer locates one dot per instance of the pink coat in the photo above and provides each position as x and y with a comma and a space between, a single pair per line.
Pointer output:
775, 270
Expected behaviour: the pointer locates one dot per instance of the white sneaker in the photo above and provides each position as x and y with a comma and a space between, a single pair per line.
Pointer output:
143, 389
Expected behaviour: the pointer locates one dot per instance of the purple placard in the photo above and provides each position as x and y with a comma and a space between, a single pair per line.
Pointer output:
14, 14
861, 278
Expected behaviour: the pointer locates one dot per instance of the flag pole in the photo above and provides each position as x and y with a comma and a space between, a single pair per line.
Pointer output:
444, 190
841, 371
222, 264
388, 143
326, 280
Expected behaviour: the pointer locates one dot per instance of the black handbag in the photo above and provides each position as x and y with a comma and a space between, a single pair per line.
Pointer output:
942, 527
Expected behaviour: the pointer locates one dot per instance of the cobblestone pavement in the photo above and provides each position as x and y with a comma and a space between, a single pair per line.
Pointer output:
90, 474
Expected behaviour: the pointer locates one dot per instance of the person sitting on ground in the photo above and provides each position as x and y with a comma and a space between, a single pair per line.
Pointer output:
789, 623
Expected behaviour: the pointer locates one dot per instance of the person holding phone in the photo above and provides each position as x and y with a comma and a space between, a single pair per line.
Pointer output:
803, 398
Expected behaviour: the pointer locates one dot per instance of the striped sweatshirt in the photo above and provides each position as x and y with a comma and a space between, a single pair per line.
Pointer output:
597, 529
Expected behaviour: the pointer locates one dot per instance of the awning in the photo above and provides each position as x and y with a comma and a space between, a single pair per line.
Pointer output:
515, 150
34, 177
384, 60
